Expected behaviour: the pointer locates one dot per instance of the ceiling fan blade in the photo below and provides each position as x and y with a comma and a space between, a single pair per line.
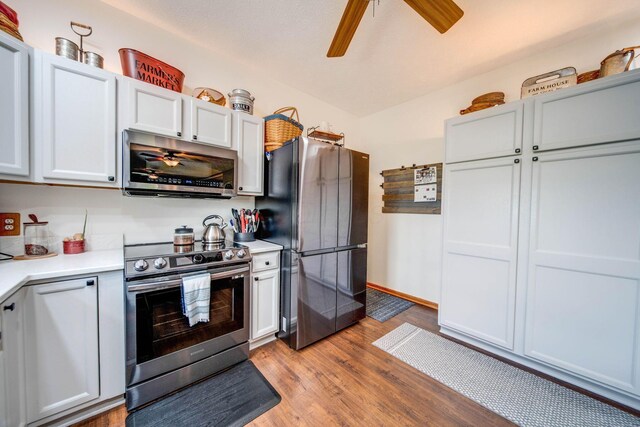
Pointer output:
347, 28
441, 14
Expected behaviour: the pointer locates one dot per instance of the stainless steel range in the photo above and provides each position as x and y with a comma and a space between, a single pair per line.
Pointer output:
163, 353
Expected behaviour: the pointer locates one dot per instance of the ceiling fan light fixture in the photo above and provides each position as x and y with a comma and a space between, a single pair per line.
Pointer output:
171, 161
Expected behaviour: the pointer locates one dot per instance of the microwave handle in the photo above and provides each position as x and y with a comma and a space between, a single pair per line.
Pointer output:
156, 286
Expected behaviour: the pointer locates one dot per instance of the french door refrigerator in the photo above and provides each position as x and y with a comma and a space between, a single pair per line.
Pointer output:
316, 206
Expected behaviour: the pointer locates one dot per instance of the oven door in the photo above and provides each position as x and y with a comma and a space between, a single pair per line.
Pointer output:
157, 165
159, 338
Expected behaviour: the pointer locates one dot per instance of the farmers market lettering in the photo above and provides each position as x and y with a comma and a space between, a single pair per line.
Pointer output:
156, 76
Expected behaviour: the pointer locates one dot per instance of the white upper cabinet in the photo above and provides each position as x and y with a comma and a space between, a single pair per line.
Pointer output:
480, 249
75, 122
583, 288
248, 140
61, 346
14, 107
210, 123
151, 108
495, 132
601, 111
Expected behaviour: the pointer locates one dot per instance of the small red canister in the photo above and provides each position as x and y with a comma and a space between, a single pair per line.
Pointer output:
143, 67
71, 247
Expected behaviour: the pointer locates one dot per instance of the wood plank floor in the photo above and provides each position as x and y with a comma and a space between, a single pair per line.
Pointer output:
345, 381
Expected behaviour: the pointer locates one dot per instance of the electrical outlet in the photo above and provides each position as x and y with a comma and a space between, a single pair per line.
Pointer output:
9, 224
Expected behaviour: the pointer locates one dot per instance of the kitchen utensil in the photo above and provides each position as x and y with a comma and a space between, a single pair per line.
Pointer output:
141, 66
183, 236
487, 100
93, 59
67, 48
210, 95
244, 237
618, 62
36, 237
241, 100
72, 247
213, 232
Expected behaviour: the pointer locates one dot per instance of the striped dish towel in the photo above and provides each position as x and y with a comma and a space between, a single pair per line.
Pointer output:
196, 293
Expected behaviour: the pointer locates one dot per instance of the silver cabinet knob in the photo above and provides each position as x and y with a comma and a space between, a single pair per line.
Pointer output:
160, 263
241, 253
228, 255
140, 265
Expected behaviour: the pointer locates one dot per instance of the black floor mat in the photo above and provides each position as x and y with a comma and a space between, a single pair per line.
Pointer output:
232, 398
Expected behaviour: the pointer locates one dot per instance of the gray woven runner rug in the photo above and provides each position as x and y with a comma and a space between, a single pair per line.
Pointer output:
382, 306
517, 395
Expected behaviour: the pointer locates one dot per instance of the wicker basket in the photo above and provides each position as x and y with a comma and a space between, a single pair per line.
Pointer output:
279, 128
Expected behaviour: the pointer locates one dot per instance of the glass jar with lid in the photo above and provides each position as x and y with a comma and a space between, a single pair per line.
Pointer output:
183, 236
36, 237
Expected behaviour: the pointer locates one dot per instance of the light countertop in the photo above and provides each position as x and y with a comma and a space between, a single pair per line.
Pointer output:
14, 274
260, 246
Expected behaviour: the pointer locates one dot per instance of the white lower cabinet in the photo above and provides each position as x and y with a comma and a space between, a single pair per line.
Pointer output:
265, 297
480, 249
13, 360
583, 287
61, 346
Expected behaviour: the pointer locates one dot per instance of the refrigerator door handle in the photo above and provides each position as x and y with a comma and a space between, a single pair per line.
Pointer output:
362, 246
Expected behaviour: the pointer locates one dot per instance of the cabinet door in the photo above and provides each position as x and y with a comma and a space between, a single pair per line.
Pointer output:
153, 109
249, 141
480, 249
265, 302
210, 123
495, 132
76, 130
604, 111
583, 288
14, 107
13, 355
61, 343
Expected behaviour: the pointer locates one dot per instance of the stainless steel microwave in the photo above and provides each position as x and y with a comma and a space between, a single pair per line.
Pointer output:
163, 167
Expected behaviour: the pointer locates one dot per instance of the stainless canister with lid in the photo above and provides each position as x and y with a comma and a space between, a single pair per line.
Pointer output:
183, 236
241, 100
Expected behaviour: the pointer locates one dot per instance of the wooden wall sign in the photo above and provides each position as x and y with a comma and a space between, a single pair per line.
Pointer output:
411, 189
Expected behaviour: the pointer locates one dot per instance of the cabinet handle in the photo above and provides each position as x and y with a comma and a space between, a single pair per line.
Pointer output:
267, 263
240, 188
195, 137
516, 161
111, 178
535, 159
535, 147
179, 133
91, 282
517, 150
10, 307
256, 279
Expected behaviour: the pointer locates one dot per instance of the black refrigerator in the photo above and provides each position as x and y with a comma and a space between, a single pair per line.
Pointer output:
315, 204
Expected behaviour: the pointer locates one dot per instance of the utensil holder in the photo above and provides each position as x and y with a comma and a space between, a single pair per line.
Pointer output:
244, 237
73, 247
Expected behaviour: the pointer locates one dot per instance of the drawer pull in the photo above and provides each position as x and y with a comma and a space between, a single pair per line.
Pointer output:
267, 263
256, 279
10, 307
91, 282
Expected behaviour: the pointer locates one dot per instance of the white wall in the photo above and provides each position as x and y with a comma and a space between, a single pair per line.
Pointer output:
405, 249
145, 220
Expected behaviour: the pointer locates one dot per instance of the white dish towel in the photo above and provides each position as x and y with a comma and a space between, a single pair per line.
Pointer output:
196, 294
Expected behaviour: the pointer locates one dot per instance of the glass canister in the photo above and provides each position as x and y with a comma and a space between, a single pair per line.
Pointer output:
183, 236
36, 237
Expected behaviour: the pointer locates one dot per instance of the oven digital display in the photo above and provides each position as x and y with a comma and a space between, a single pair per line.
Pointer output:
180, 261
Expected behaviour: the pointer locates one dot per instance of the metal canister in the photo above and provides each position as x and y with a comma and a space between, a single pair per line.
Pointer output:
93, 59
241, 100
67, 48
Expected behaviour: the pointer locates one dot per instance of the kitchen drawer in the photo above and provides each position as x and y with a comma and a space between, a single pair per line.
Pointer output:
494, 132
265, 261
604, 111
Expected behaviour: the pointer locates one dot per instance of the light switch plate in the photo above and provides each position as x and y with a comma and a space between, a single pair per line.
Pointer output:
9, 224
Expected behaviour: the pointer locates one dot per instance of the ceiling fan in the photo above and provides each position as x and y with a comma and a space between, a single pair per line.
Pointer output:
441, 14
170, 158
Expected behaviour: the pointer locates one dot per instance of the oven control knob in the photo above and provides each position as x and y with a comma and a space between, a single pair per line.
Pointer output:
198, 258
228, 255
241, 253
160, 263
140, 265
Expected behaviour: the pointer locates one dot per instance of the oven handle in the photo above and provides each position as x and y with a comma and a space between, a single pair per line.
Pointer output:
155, 286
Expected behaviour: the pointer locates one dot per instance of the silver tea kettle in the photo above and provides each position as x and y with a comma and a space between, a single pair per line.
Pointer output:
213, 232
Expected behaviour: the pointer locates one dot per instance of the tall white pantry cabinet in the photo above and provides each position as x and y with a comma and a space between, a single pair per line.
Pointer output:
541, 260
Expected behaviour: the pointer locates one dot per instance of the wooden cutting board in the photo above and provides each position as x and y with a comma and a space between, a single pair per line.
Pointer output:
28, 257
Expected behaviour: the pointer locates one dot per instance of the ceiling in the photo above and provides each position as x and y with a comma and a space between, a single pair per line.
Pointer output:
394, 57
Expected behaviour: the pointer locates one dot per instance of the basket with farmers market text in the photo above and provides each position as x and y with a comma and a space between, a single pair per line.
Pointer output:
280, 128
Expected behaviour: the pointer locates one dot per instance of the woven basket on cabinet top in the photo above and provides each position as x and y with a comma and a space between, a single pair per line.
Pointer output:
280, 128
